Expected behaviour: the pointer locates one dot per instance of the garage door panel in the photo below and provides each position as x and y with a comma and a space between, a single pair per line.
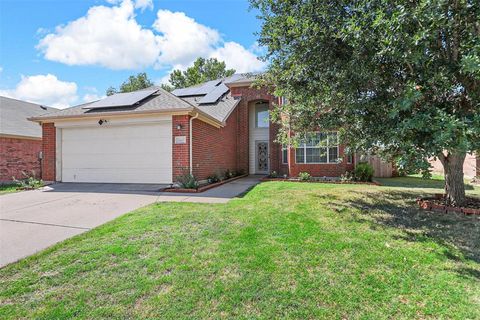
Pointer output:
140, 153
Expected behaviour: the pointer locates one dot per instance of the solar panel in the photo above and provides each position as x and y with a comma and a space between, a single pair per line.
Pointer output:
199, 90
121, 99
214, 95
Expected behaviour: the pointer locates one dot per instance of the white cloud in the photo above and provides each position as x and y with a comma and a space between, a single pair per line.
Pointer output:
106, 36
183, 39
44, 89
144, 4
89, 97
238, 58
110, 36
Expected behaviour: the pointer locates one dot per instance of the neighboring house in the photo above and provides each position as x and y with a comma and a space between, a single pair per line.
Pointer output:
153, 136
20, 139
471, 166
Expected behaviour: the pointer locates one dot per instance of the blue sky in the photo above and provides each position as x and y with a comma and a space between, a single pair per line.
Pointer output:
62, 53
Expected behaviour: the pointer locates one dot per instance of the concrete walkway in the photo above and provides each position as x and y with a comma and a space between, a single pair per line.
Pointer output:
34, 220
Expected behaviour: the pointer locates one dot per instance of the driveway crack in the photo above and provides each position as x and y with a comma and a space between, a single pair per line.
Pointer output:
45, 224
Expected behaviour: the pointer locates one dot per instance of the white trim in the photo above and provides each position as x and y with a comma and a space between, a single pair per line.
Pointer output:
305, 147
58, 154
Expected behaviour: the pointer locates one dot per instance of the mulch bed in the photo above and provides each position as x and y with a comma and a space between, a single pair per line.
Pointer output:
437, 203
205, 187
373, 183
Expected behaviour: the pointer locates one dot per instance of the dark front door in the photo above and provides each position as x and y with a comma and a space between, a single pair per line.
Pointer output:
261, 155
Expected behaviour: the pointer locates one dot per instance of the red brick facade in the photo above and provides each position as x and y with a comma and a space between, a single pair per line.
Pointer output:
215, 149
49, 149
180, 152
19, 155
249, 95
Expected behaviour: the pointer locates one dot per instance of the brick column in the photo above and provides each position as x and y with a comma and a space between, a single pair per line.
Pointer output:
180, 152
49, 150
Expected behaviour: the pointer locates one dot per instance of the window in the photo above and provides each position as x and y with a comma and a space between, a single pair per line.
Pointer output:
261, 115
350, 158
318, 147
284, 154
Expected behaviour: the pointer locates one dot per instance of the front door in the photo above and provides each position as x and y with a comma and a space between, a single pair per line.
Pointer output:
261, 157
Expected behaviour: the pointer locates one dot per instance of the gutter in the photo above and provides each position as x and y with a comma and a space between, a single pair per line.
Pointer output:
190, 142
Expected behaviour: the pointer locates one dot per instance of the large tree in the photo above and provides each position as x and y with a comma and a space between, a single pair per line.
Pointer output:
202, 70
401, 78
133, 83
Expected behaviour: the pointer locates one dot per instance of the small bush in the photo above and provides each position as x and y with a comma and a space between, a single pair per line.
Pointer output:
228, 174
304, 176
273, 174
213, 178
364, 171
29, 181
348, 176
188, 181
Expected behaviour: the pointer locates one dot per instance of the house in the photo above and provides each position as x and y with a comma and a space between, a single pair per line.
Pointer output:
153, 136
20, 139
471, 166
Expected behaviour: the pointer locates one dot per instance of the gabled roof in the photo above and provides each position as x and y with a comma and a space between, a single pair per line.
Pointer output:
212, 100
159, 101
14, 116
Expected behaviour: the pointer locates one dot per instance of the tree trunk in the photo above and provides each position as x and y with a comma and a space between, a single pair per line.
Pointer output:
454, 184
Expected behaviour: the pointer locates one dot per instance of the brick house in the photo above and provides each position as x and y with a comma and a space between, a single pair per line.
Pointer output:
153, 136
20, 139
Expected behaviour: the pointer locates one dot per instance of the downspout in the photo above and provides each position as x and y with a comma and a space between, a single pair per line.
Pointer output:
190, 143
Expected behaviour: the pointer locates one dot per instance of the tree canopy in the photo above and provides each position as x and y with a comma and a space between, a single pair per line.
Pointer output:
201, 71
400, 78
133, 83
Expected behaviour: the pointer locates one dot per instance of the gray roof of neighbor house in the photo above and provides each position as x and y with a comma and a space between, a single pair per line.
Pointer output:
212, 99
14, 114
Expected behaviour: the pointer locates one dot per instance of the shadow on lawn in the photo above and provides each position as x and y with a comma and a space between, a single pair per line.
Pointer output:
398, 209
416, 183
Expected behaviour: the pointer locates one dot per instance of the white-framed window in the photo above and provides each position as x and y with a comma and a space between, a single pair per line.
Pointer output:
350, 158
261, 115
318, 147
284, 154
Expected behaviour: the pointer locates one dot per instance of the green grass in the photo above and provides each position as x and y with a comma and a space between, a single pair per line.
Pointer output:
284, 250
8, 188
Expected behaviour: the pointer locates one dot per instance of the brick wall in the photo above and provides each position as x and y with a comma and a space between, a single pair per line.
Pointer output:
214, 149
49, 149
180, 152
478, 164
17, 155
248, 95
321, 169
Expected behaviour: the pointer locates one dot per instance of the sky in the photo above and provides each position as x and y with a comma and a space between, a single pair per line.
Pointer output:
62, 53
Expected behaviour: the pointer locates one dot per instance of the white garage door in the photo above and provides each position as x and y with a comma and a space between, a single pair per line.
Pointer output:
140, 153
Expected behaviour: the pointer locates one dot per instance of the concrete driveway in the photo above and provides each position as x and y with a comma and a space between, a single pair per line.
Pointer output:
34, 220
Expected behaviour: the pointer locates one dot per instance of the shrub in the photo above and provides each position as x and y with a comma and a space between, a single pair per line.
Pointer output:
348, 176
213, 178
188, 181
364, 171
228, 174
29, 181
304, 176
273, 174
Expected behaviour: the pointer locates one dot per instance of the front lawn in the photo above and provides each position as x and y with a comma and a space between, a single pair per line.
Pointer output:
284, 250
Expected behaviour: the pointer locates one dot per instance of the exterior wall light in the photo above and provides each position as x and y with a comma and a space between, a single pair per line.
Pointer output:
179, 127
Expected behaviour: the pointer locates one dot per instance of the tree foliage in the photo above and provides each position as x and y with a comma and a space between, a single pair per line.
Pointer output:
133, 83
201, 71
401, 78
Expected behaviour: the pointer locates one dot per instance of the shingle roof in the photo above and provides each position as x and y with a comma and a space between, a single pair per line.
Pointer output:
185, 99
159, 101
14, 114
